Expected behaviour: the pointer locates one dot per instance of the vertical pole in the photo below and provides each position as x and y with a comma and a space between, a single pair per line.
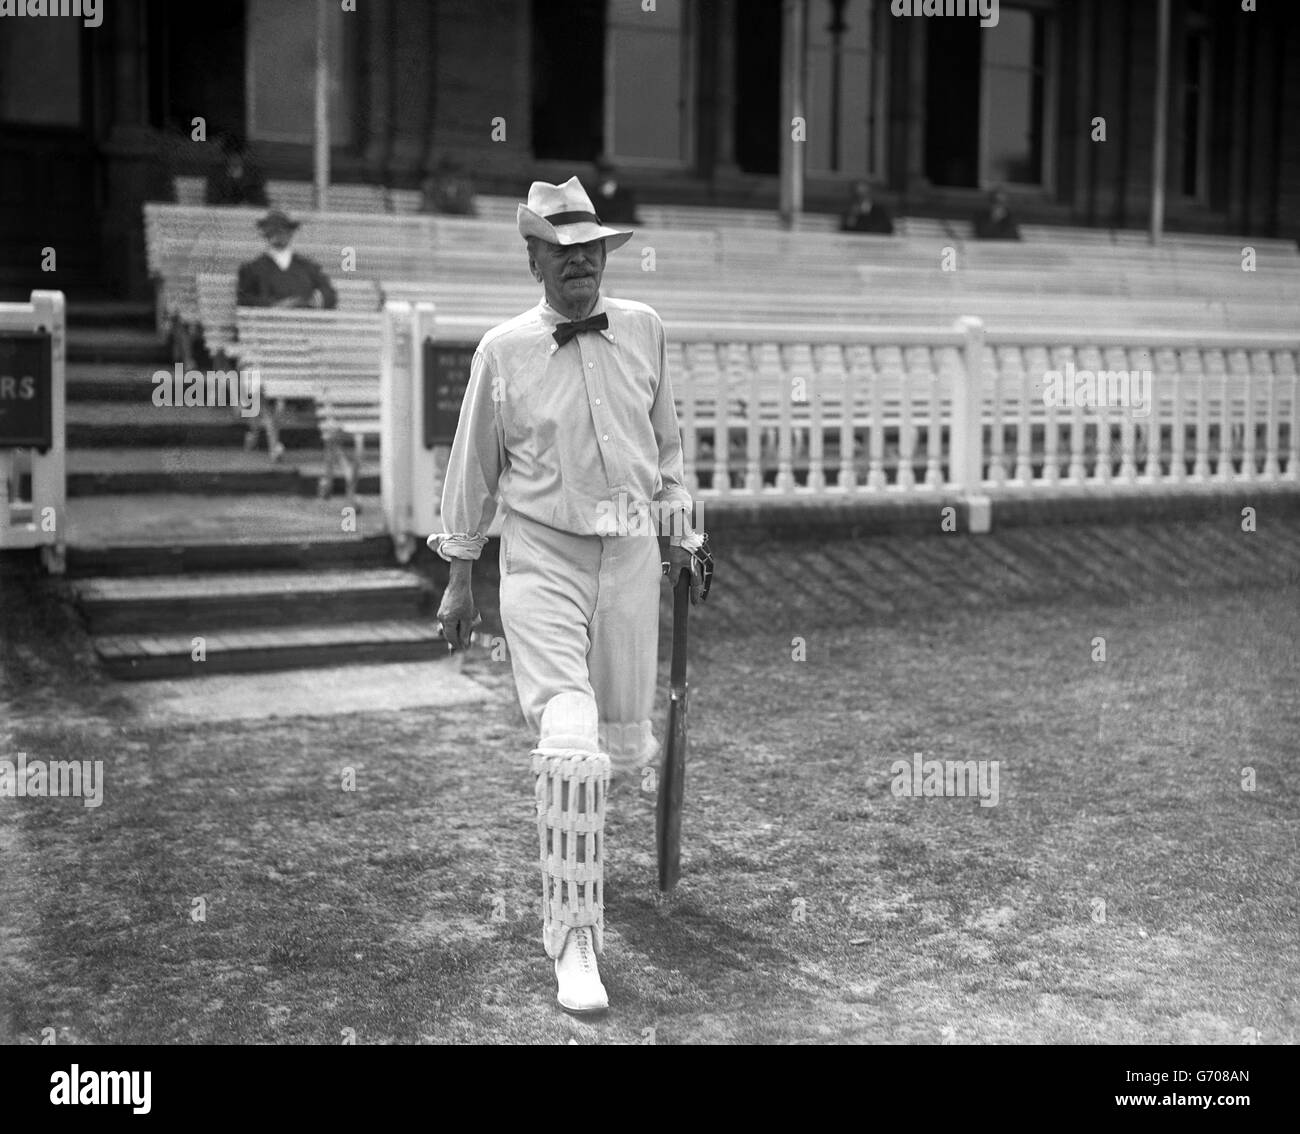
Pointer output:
1159, 145
965, 449
396, 416
49, 470
321, 163
792, 152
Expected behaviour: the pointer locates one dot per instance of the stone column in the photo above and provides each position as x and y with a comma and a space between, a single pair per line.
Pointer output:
379, 18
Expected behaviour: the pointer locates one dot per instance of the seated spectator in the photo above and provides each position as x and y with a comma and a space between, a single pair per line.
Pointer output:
864, 213
238, 180
615, 203
996, 222
448, 190
280, 277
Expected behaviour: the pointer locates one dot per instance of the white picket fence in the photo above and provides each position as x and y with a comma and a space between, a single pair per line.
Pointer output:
816, 410
37, 516
813, 412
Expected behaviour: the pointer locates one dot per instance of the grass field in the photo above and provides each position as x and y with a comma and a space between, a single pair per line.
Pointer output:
1125, 888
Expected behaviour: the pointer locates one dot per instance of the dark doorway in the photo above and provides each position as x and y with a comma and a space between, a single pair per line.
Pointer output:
568, 79
952, 101
197, 66
48, 167
758, 86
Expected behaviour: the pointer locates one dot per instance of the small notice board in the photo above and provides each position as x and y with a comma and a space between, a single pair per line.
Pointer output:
26, 403
446, 375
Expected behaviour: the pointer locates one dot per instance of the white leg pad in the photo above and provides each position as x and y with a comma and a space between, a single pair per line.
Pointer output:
571, 785
569, 720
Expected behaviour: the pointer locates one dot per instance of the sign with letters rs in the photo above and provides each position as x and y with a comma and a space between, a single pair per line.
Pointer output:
26, 419
446, 375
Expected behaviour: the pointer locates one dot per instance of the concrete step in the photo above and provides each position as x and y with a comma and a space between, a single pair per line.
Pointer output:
131, 656
205, 470
228, 555
132, 345
112, 424
202, 603
109, 382
125, 314
172, 469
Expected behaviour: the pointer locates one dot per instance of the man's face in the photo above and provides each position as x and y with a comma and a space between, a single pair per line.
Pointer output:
278, 237
570, 273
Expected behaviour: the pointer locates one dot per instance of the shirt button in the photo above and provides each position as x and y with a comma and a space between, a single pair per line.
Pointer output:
598, 401
591, 366
605, 437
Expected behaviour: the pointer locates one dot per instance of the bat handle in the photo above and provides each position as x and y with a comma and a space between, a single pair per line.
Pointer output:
681, 609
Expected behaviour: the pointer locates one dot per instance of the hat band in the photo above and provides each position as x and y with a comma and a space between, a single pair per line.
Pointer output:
572, 218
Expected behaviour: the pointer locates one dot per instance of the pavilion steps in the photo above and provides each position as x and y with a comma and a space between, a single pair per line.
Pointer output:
155, 626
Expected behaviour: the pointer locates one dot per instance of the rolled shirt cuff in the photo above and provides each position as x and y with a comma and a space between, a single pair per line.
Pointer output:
458, 545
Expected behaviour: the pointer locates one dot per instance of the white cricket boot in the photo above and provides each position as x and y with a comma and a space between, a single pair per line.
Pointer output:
581, 990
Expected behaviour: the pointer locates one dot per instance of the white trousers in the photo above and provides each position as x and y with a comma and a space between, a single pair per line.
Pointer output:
581, 615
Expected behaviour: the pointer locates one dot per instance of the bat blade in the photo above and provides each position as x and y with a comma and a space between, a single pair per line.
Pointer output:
672, 786
672, 769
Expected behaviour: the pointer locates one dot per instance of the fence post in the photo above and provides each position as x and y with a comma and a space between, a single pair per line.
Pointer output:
41, 521
966, 456
395, 416
428, 466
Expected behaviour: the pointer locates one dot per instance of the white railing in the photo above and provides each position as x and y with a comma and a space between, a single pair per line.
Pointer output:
809, 410
815, 411
33, 478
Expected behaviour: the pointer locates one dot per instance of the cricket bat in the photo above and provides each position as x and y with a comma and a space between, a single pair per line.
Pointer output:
672, 770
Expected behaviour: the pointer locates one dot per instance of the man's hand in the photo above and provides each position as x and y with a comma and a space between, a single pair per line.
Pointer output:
456, 614
694, 562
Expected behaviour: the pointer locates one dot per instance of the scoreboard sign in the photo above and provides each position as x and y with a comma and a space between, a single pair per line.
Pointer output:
446, 375
26, 417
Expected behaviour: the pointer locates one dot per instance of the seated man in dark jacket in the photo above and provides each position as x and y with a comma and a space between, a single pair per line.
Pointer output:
448, 190
280, 277
996, 222
864, 213
238, 180
615, 203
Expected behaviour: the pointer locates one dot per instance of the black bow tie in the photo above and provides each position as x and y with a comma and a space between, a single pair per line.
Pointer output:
565, 331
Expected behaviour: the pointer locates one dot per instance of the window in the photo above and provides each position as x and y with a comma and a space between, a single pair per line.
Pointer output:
281, 74
987, 100
1012, 142
842, 86
1194, 104
50, 49
648, 93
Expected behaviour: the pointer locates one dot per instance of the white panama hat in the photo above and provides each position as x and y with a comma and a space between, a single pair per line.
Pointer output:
564, 214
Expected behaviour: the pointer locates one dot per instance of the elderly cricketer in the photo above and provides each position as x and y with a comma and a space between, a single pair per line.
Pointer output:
569, 420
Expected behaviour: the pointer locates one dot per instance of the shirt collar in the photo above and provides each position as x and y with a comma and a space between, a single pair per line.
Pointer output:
552, 318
